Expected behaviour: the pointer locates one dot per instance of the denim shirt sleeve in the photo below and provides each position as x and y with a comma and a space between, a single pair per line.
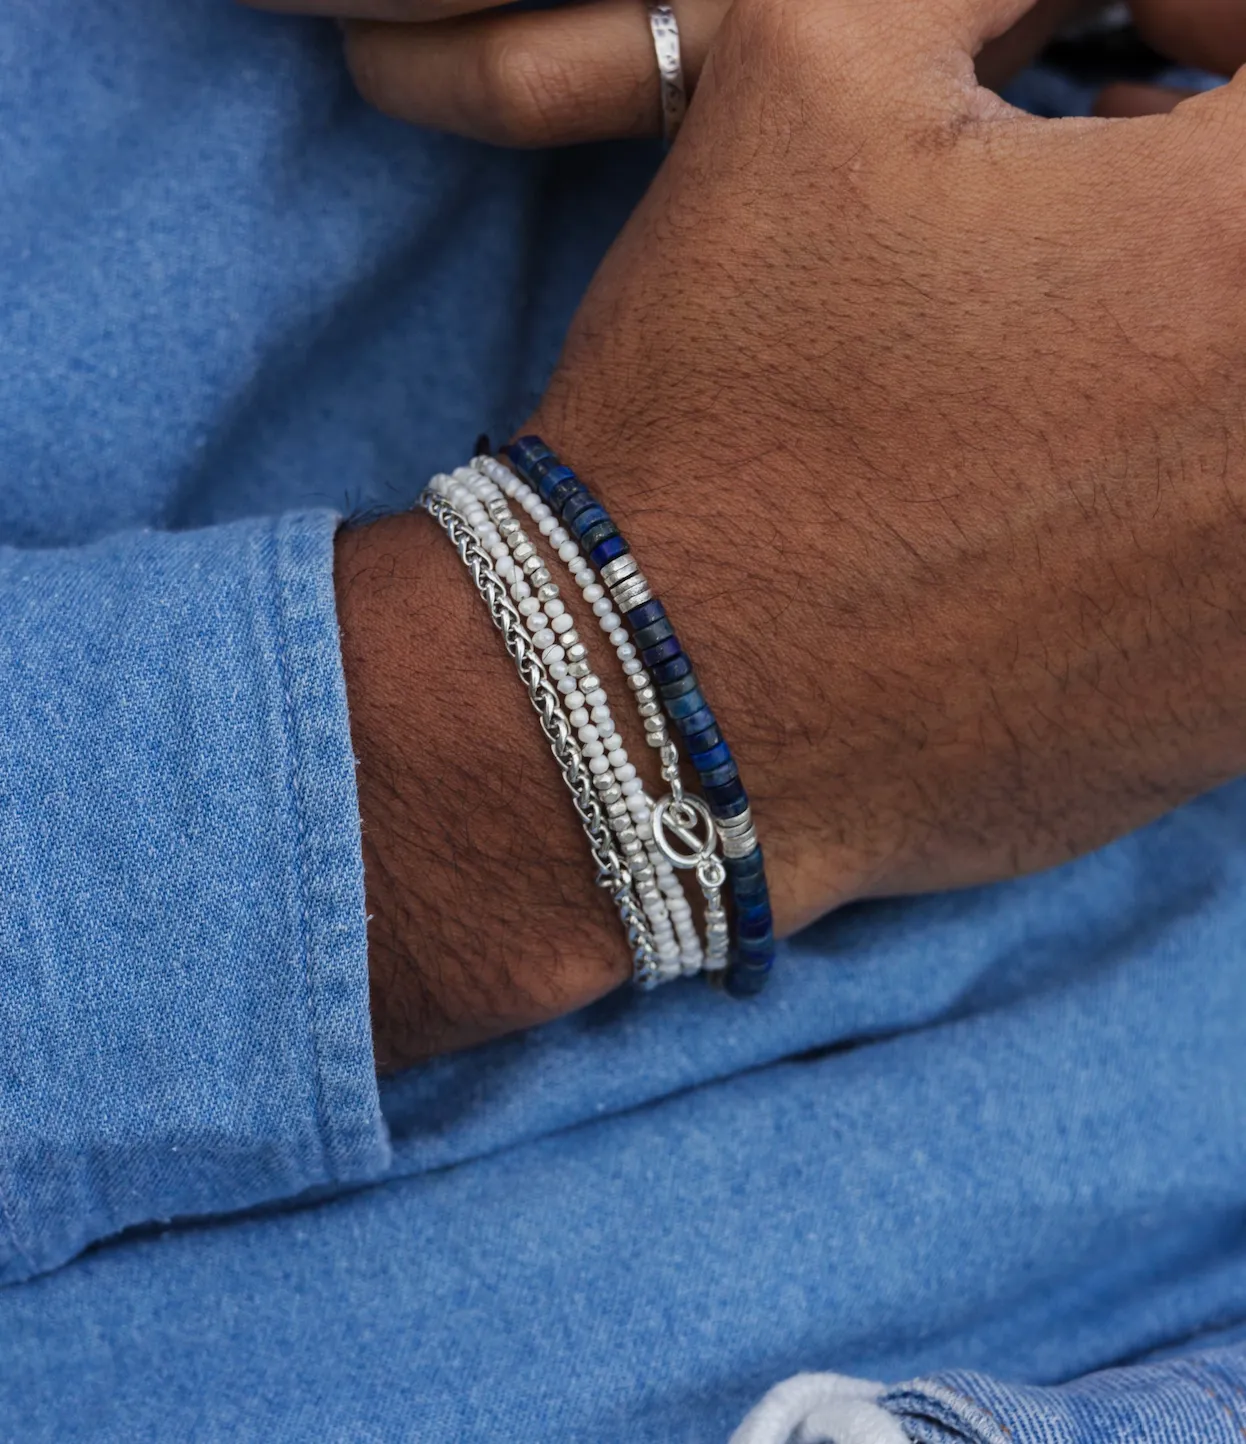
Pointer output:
184, 1021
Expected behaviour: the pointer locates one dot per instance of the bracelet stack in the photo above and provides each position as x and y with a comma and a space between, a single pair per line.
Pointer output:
640, 846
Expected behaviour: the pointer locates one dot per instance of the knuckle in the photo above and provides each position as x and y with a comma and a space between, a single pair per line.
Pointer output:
529, 93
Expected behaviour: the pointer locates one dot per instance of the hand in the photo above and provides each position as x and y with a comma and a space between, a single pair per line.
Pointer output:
574, 73
926, 418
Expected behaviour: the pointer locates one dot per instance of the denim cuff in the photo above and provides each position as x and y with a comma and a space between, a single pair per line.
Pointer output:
184, 1024
1196, 1400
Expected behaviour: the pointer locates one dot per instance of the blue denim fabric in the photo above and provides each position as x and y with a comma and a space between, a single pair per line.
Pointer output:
1197, 1400
1002, 1131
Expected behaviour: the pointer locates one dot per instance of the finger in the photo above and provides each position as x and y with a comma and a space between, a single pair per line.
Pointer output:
1002, 58
581, 73
1128, 100
1207, 33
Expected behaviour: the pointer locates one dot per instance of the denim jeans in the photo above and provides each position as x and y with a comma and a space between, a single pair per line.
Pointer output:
1002, 1131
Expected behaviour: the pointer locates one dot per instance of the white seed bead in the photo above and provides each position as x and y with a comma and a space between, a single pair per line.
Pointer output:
534, 621
557, 670
610, 739
594, 593
506, 566
633, 786
499, 550
638, 806
547, 525
633, 667
567, 684
601, 606
624, 771
610, 622
578, 717
600, 714
567, 550
626, 652
598, 765
562, 624
555, 608
593, 749
589, 733
542, 637
576, 698
553, 654
618, 638
559, 535
520, 589
596, 697
540, 511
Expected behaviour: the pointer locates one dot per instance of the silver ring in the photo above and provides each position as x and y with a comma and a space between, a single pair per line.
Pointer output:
670, 68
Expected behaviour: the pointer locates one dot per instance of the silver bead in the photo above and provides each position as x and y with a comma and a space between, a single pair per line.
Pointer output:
645, 695
578, 670
531, 566
656, 739
738, 823
547, 592
576, 651
571, 638
638, 681
509, 527
655, 724
589, 681
619, 568
612, 795
615, 809
523, 551
603, 781
648, 709
630, 593
540, 577
620, 822
740, 844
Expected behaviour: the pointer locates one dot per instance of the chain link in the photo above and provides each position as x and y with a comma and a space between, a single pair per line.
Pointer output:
612, 871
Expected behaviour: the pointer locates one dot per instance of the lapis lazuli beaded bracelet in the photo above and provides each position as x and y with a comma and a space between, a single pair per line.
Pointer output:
672, 672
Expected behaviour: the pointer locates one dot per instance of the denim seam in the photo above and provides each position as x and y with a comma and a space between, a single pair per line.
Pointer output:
293, 768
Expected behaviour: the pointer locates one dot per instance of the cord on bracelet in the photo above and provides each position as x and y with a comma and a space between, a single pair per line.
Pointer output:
663, 665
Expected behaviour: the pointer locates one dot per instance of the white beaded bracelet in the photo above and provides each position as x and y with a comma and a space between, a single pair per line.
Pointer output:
518, 561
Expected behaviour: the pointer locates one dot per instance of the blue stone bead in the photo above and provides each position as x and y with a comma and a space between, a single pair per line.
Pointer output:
561, 492
711, 759
741, 867
655, 632
597, 533
671, 671
647, 612
753, 913
716, 776
700, 742
661, 652
528, 453
554, 478
725, 808
755, 934
746, 982
607, 551
685, 705
696, 722
581, 502
686, 683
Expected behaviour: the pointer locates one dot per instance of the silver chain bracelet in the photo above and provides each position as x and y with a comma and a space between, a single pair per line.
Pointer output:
612, 871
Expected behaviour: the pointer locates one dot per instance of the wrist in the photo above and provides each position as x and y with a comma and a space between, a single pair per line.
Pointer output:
484, 917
